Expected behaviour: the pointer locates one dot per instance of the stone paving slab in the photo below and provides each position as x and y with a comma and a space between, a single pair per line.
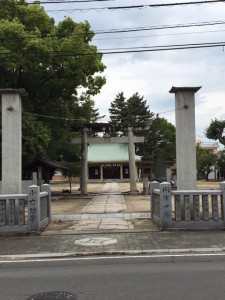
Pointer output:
101, 224
128, 216
108, 202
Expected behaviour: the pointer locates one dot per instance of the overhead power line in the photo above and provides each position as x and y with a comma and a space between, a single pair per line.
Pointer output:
168, 48
170, 4
156, 47
160, 27
123, 30
140, 6
78, 53
151, 35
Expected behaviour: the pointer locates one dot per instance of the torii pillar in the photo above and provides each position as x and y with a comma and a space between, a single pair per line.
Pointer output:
11, 140
84, 163
185, 137
131, 151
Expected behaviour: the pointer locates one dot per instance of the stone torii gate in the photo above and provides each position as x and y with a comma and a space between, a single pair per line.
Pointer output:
130, 139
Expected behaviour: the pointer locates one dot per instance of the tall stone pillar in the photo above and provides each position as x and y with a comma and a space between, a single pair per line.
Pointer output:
132, 167
11, 141
185, 137
84, 163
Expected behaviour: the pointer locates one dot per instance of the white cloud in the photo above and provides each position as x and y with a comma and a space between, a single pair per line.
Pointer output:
152, 74
209, 107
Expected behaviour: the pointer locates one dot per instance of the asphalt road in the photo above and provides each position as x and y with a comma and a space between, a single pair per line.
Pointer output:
113, 279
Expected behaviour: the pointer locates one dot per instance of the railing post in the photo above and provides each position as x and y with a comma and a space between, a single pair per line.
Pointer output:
222, 188
153, 185
165, 205
46, 188
33, 208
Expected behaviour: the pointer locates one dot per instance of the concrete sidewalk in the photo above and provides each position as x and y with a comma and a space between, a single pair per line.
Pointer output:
136, 243
104, 233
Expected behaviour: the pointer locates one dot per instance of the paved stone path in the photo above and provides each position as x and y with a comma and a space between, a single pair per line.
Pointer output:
104, 212
108, 200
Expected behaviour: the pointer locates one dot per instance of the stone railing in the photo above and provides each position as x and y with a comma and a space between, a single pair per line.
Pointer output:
187, 208
26, 212
39, 207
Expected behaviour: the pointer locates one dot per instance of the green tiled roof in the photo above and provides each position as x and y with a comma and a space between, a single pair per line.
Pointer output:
109, 153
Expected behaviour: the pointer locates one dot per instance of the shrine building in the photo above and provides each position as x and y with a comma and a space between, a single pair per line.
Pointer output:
110, 161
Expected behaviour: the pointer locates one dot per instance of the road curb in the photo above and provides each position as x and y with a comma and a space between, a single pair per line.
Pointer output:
155, 255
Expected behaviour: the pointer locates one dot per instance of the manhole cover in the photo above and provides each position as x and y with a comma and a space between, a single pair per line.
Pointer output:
100, 241
53, 296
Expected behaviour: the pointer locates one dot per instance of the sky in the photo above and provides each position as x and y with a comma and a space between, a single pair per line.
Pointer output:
152, 74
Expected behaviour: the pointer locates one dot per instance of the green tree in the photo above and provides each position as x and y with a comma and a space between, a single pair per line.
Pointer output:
51, 62
35, 138
160, 140
216, 130
132, 112
206, 161
73, 169
138, 114
118, 111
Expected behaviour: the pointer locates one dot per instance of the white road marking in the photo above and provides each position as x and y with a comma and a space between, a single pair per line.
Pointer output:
100, 241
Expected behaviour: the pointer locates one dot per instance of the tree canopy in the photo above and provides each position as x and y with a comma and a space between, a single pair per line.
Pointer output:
160, 140
52, 62
131, 112
215, 131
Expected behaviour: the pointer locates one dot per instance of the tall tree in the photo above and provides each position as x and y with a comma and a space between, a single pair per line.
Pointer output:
138, 112
118, 109
160, 140
132, 112
51, 62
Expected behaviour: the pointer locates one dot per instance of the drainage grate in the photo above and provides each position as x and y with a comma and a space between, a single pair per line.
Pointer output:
53, 296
